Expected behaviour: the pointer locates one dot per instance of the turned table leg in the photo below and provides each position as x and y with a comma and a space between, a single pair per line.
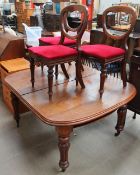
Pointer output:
15, 103
121, 119
134, 116
64, 144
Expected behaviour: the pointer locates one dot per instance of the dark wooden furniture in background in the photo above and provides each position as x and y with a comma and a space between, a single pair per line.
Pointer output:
23, 15
11, 46
114, 51
74, 21
97, 37
10, 21
134, 78
70, 107
47, 20
33, 21
110, 20
51, 22
6, 68
134, 39
137, 51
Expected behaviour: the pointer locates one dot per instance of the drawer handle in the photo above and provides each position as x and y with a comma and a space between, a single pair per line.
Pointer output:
138, 68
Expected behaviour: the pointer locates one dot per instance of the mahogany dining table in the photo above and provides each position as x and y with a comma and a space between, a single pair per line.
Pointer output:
71, 106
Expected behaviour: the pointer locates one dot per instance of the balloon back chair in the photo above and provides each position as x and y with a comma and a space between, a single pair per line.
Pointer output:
47, 41
59, 54
55, 41
114, 51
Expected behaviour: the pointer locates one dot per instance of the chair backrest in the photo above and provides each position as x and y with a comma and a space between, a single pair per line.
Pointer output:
111, 32
66, 30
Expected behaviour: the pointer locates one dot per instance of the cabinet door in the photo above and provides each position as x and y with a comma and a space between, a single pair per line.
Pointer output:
52, 22
134, 78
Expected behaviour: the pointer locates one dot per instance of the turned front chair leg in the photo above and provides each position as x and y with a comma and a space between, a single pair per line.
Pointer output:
15, 103
102, 79
123, 73
79, 74
64, 71
56, 72
76, 78
121, 119
32, 69
50, 81
64, 144
82, 68
42, 66
118, 69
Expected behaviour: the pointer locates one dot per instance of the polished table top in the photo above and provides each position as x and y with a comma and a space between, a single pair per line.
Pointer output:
71, 106
69, 100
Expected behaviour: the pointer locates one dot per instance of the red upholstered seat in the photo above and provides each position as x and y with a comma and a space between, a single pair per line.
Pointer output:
102, 51
55, 41
53, 52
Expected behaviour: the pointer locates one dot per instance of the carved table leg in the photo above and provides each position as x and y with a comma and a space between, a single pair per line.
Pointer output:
63, 144
134, 116
15, 103
121, 119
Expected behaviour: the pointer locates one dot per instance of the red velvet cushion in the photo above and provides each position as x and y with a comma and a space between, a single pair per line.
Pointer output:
53, 52
55, 40
102, 51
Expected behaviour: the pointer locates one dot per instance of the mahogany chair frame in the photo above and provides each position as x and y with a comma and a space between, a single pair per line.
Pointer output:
41, 43
116, 41
64, 33
56, 66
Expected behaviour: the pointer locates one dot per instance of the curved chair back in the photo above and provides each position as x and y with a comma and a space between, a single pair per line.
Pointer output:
130, 12
66, 29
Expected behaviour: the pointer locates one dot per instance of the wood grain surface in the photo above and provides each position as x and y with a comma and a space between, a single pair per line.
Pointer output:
22, 84
71, 105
